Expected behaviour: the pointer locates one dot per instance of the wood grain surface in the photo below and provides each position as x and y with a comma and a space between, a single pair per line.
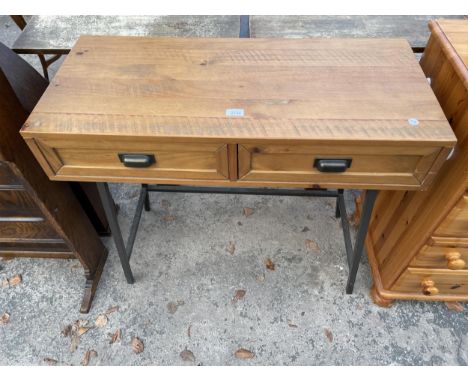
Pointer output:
183, 87
457, 34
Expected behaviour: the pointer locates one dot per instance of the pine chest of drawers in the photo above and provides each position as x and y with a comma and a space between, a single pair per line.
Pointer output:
418, 241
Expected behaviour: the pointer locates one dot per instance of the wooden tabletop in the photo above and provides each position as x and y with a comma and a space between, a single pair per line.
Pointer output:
294, 89
412, 28
58, 34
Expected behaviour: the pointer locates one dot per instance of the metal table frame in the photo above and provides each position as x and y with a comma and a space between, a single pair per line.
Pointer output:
354, 253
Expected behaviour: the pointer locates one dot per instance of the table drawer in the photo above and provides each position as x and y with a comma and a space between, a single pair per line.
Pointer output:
97, 159
372, 166
431, 282
441, 258
456, 222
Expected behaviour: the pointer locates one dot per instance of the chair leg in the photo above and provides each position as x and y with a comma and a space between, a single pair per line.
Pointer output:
19, 20
47, 62
44, 65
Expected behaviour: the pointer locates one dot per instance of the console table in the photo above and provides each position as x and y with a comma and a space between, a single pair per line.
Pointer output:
258, 116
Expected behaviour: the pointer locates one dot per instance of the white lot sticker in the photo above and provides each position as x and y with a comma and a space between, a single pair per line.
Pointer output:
234, 112
413, 121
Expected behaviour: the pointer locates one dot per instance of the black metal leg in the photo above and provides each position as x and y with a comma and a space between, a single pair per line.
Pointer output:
109, 209
345, 228
337, 208
360, 239
147, 201
136, 220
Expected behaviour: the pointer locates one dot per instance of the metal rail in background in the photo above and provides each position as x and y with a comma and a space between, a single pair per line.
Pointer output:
320, 192
353, 254
244, 27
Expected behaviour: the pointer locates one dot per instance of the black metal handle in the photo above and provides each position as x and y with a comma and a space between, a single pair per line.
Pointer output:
332, 165
137, 160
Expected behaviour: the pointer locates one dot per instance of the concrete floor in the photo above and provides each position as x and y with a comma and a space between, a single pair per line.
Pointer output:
193, 253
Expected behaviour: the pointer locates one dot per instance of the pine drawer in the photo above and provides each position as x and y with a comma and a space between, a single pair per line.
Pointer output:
456, 222
96, 159
431, 282
453, 258
372, 166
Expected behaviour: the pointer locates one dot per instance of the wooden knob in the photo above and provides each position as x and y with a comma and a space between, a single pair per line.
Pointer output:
429, 288
454, 261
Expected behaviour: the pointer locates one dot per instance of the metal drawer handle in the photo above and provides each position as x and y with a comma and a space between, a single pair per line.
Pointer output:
137, 160
332, 165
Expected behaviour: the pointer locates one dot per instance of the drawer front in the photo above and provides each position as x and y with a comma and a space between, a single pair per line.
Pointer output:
39, 231
97, 159
368, 166
18, 205
36, 249
11, 199
8, 180
456, 222
447, 241
431, 282
441, 258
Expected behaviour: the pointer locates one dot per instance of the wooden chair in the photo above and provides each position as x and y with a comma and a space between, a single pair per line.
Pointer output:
20, 21
40, 218
26, 82
28, 86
